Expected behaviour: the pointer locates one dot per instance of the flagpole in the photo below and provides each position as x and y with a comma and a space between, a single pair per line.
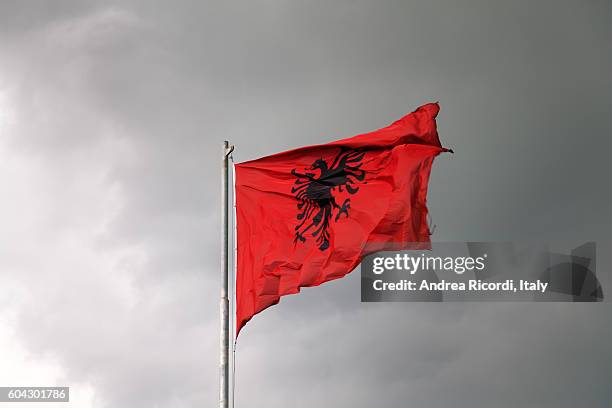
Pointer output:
224, 302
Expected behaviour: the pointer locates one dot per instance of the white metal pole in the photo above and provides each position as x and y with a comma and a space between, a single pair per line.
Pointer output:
224, 302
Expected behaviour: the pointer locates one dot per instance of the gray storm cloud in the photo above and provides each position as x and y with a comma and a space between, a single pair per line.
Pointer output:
111, 122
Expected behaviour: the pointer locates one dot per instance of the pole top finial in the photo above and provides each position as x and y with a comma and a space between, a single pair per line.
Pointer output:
228, 148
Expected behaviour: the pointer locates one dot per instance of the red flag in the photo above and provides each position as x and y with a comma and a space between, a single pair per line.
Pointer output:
305, 216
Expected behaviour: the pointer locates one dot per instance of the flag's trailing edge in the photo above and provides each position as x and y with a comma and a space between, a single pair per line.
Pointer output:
308, 215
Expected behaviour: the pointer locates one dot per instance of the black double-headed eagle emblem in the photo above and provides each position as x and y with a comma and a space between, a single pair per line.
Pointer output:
315, 189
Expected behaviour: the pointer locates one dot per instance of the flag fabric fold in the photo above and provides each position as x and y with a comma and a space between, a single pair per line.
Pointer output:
308, 215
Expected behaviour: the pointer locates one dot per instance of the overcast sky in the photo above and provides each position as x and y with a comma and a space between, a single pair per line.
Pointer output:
112, 116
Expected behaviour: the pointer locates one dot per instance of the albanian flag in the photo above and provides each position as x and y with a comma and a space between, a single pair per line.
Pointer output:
308, 216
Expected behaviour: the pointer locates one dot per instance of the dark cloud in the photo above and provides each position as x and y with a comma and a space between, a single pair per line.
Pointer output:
113, 114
